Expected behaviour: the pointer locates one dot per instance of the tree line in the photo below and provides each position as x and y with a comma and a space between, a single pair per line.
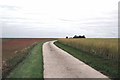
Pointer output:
77, 36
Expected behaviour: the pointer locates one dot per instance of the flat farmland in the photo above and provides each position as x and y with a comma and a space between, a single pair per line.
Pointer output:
104, 47
14, 51
100, 53
11, 46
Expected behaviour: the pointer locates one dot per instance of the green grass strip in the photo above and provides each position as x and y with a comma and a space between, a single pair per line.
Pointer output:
105, 66
32, 66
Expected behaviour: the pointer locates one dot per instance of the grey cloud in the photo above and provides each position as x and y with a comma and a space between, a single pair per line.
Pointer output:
104, 26
3, 17
9, 7
65, 20
19, 20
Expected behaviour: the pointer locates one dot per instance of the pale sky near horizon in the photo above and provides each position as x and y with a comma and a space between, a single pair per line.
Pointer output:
59, 18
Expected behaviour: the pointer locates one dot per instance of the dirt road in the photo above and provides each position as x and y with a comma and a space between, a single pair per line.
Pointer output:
60, 64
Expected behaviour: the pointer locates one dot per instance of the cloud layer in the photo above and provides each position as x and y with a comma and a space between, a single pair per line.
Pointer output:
53, 18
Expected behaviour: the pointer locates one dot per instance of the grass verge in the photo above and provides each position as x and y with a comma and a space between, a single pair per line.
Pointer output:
105, 66
32, 66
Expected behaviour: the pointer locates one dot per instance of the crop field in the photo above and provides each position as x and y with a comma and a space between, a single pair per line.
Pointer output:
15, 50
101, 54
107, 48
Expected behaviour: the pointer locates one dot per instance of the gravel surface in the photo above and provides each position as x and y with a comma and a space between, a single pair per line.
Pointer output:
60, 64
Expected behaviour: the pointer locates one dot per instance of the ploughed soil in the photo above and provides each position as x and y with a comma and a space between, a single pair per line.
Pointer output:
11, 46
15, 50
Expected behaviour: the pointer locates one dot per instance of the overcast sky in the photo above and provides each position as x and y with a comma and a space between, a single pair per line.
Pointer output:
59, 18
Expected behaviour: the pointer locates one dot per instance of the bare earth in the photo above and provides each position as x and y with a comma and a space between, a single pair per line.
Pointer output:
60, 64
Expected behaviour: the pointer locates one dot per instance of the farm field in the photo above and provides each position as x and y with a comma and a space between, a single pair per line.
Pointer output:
107, 48
23, 58
101, 54
32, 66
10, 46
15, 51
